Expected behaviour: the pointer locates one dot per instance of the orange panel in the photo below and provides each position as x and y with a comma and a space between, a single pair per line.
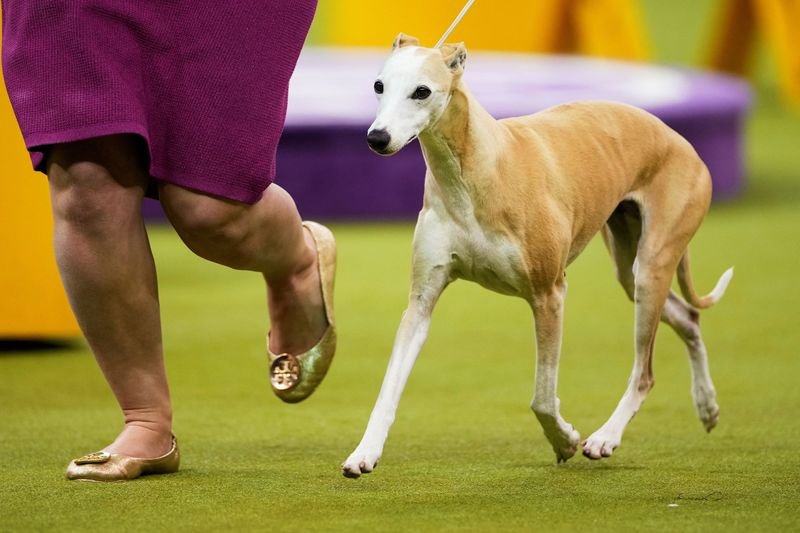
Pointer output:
598, 27
32, 299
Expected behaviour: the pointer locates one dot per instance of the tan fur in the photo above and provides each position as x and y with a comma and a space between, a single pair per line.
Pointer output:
551, 180
510, 203
405, 40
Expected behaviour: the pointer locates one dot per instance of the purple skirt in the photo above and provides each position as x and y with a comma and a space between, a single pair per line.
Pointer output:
203, 82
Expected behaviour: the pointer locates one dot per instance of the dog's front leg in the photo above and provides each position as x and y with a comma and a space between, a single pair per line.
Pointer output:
548, 308
429, 280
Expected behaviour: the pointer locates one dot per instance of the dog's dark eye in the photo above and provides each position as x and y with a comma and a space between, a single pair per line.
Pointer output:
421, 93
378, 87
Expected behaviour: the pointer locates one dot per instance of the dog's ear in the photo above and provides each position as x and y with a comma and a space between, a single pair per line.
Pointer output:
404, 40
455, 55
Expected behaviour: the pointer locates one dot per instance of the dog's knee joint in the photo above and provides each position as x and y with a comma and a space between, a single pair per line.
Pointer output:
646, 385
690, 332
543, 408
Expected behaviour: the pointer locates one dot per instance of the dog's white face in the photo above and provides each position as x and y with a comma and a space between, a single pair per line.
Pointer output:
413, 90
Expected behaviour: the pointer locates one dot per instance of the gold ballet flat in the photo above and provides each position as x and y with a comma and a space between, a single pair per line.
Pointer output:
295, 377
104, 466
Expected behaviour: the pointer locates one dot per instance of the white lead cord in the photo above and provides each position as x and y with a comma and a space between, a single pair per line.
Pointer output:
455, 23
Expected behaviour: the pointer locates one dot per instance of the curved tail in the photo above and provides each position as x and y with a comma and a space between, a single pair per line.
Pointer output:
687, 288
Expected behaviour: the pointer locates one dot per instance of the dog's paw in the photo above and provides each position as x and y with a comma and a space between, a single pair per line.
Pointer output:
709, 414
600, 444
705, 401
360, 462
565, 443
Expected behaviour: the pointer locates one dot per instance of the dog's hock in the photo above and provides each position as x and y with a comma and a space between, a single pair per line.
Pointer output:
455, 55
404, 40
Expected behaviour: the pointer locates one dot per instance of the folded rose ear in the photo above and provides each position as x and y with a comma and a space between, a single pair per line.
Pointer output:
404, 40
455, 55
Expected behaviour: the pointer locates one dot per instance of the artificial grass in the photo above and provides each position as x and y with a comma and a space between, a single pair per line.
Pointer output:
465, 453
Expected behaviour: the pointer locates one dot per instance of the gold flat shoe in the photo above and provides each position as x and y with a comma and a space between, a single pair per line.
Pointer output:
295, 377
104, 466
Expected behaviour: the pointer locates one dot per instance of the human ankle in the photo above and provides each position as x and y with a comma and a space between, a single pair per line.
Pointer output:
155, 421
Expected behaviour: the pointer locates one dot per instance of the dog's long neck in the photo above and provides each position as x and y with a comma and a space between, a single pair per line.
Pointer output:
458, 147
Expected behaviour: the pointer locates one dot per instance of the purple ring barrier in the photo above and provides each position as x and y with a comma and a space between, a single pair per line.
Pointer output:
324, 162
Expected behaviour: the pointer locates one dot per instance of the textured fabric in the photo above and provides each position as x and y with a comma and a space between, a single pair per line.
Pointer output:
204, 82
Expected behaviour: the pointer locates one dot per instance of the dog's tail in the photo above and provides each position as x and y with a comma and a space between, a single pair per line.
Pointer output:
687, 288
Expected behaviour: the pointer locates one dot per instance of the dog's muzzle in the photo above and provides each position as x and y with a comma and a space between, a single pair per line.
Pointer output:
378, 140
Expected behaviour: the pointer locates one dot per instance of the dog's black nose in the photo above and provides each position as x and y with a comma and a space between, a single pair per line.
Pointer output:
378, 140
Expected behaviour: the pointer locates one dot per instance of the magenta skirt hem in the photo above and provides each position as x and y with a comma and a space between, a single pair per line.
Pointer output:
204, 83
37, 142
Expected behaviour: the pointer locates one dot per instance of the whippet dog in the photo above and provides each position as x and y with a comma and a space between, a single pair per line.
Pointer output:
510, 203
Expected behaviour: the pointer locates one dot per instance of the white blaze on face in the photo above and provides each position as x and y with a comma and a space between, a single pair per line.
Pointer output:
400, 114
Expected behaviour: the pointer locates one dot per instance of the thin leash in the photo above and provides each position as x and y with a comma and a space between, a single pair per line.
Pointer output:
455, 23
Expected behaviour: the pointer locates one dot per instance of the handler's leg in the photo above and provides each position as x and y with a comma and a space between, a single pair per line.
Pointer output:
265, 237
108, 272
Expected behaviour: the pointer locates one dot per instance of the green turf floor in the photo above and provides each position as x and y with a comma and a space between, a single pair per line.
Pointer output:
465, 453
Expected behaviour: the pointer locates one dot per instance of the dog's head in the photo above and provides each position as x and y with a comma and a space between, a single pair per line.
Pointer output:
413, 90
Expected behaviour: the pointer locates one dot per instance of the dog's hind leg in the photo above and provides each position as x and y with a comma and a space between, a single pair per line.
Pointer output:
655, 267
548, 308
685, 320
621, 237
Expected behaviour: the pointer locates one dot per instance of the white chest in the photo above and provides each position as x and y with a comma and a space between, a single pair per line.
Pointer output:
491, 260
473, 252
